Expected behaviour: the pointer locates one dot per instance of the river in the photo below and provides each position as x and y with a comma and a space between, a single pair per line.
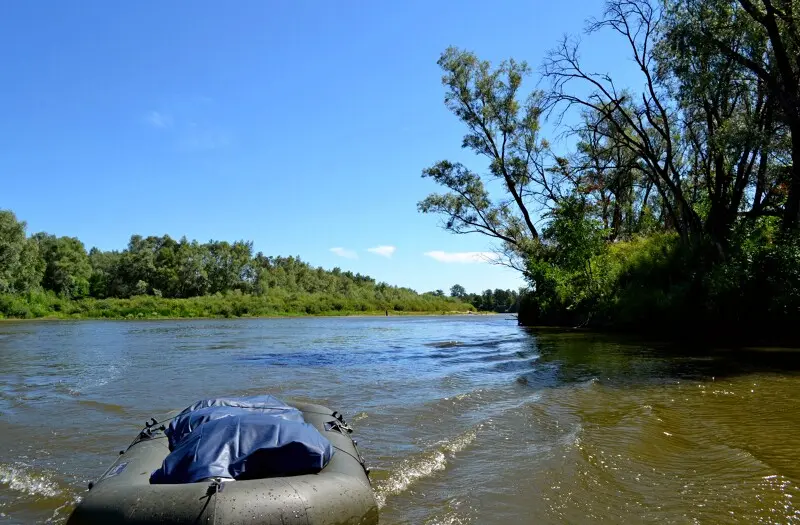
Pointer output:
463, 419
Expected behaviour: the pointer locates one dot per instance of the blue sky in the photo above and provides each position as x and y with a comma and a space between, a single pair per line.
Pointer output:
302, 126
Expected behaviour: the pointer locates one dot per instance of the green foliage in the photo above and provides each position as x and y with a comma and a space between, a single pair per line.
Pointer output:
501, 301
745, 50
657, 283
563, 270
759, 285
104, 272
20, 266
457, 291
573, 237
67, 270
48, 276
276, 302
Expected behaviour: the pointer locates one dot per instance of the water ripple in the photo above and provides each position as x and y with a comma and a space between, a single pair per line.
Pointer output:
20, 478
421, 466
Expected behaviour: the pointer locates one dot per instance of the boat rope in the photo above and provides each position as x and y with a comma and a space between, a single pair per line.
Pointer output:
216, 504
345, 452
153, 423
214, 489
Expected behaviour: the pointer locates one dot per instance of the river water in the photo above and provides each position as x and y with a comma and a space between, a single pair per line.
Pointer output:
463, 419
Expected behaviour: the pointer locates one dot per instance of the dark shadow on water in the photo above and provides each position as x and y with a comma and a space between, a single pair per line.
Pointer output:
571, 356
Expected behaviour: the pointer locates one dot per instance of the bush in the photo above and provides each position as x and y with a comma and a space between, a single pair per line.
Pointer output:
232, 304
658, 283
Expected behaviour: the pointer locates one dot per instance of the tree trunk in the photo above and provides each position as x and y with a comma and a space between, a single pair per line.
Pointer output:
791, 216
615, 221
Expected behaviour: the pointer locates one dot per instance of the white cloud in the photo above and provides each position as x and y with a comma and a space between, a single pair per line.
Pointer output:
462, 257
344, 252
158, 119
385, 251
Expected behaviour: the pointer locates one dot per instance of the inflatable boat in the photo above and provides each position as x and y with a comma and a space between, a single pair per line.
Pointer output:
244, 461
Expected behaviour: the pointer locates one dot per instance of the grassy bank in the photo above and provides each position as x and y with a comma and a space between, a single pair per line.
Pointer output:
659, 285
41, 305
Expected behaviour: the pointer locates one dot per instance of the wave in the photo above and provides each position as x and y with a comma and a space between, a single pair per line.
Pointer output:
448, 519
18, 477
61, 513
486, 356
488, 343
422, 466
90, 377
445, 344
301, 359
359, 417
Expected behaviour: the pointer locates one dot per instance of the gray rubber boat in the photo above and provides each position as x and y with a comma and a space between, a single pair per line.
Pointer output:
339, 494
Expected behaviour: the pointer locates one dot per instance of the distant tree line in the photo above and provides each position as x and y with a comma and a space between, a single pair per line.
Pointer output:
501, 301
166, 268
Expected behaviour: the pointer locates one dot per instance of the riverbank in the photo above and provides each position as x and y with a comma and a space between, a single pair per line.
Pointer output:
680, 341
291, 315
232, 305
659, 286
688, 333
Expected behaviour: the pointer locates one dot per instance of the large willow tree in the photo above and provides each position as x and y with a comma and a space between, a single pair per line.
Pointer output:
706, 138
503, 128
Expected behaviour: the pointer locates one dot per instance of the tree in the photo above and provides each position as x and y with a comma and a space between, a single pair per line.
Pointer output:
104, 281
502, 300
229, 266
763, 37
487, 300
671, 189
67, 267
646, 123
167, 264
457, 291
610, 178
732, 121
573, 237
192, 271
704, 130
20, 264
137, 267
504, 129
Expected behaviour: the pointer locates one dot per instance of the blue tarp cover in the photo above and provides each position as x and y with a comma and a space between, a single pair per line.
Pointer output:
242, 438
210, 409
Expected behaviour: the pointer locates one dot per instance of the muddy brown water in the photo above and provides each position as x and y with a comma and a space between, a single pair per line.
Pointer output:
463, 419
